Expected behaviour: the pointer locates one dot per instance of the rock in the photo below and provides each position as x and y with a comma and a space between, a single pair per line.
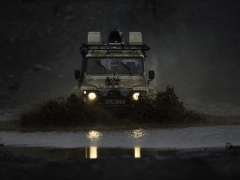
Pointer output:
37, 67
14, 86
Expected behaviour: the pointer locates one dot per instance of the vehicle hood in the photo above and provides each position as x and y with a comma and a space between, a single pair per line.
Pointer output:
125, 82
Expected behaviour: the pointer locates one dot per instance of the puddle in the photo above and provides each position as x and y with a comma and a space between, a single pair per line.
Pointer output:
135, 143
184, 138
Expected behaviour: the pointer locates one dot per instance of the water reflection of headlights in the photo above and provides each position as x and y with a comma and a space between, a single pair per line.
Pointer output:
137, 152
138, 133
93, 135
92, 96
91, 152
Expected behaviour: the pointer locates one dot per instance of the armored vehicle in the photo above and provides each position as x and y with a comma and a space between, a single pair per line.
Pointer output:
113, 72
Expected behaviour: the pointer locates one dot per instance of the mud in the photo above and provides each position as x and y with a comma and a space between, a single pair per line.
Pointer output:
164, 108
61, 113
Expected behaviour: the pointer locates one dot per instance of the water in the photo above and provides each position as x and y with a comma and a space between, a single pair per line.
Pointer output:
131, 142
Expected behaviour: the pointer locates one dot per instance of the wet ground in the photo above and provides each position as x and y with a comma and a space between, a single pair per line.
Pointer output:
135, 143
185, 153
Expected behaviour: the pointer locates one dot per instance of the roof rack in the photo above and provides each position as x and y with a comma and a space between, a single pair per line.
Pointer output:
116, 46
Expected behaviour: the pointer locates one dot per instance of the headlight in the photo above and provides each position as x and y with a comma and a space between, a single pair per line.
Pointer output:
124, 92
92, 96
135, 96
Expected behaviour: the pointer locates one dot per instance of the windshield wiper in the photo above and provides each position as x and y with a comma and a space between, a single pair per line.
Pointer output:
129, 69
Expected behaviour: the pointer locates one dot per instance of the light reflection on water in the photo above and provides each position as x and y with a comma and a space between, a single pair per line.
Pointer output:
183, 138
137, 133
94, 136
137, 152
92, 152
135, 143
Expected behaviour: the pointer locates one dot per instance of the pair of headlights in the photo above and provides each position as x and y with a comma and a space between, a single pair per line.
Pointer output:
92, 96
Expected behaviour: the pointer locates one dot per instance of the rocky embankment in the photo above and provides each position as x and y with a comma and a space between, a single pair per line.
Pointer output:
204, 164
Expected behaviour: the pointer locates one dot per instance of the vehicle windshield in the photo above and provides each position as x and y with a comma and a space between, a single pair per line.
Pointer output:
110, 65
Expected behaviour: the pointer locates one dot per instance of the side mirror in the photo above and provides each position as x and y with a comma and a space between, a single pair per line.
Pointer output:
151, 75
77, 75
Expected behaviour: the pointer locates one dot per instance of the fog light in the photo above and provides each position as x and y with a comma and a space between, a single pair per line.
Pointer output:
124, 92
92, 96
135, 96
104, 91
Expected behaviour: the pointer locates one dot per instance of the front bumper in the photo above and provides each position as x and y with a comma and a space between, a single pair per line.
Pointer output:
113, 100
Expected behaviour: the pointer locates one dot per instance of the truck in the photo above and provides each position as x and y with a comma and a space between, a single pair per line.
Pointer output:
113, 72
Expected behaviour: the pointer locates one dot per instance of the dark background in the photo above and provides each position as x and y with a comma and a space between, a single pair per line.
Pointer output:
194, 46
